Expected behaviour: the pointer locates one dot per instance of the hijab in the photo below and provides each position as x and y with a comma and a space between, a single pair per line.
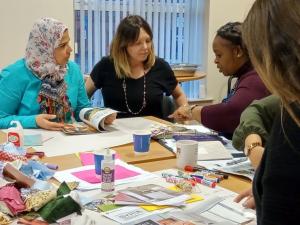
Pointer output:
44, 38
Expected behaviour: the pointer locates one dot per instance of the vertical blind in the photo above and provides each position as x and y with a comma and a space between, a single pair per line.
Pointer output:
177, 25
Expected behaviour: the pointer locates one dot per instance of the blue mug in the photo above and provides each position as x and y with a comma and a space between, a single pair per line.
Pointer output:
141, 141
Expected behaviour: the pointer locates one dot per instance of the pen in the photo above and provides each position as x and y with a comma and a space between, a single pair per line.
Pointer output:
203, 169
205, 182
212, 179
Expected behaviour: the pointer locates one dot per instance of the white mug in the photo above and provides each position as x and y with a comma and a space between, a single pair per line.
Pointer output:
187, 153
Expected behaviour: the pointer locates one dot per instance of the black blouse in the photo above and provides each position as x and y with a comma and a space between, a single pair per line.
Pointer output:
160, 79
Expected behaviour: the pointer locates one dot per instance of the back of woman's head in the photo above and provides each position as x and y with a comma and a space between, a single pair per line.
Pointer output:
271, 33
127, 33
232, 32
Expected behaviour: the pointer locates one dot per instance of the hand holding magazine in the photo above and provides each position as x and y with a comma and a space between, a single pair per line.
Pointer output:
94, 119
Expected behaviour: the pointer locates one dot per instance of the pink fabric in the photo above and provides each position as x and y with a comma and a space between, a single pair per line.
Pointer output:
12, 197
87, 158
90, 175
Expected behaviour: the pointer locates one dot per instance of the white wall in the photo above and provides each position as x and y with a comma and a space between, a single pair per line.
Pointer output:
17, 18
221, 12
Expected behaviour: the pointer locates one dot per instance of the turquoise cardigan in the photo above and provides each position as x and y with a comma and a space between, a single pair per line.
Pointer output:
19, 89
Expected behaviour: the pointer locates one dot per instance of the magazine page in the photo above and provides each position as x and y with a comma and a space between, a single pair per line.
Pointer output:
95, 116
93, 119
154, 194
217, 210
238, 166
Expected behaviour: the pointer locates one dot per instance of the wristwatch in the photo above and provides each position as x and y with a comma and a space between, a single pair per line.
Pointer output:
193, 106
250, 147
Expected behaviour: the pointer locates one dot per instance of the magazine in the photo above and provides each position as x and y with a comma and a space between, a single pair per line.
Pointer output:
93, 121
150, 194
238, 166
215, 211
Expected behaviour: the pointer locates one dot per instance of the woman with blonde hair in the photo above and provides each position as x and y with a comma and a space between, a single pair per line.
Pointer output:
271, 33
132, 80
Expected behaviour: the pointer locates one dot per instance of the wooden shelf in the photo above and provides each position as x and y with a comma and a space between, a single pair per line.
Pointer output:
197, 76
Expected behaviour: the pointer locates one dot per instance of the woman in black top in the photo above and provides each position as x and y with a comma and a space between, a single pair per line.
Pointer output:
271, 33
132, 80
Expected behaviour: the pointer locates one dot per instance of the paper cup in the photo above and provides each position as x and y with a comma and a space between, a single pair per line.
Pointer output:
141, 141
99, 156
187, 153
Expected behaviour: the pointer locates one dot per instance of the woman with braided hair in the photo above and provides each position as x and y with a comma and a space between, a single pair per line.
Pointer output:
232, 60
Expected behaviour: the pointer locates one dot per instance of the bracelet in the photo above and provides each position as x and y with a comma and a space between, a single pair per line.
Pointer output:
193, 106
250, 147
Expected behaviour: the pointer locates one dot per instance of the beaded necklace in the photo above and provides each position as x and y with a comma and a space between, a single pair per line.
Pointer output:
144, 97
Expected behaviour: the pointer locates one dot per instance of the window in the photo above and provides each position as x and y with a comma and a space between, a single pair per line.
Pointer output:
177, 32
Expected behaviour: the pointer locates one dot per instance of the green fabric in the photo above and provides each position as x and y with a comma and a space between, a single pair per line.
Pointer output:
60, 206
257, 118
63, 189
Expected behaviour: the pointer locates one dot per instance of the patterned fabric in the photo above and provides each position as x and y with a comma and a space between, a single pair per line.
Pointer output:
73, 185
2, 164
5, 156
44, 37
32, 222
4, 219
4, 209
39, 199
26, 192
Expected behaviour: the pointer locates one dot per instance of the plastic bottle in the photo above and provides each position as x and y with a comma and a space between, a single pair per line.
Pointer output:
15, 134
108, 172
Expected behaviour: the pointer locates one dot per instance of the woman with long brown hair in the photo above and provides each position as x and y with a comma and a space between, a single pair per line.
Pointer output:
132, 79
271, 33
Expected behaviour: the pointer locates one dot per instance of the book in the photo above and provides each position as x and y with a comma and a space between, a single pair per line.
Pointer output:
93, 121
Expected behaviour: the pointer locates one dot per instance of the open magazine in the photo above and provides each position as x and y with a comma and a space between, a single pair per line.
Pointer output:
93, 121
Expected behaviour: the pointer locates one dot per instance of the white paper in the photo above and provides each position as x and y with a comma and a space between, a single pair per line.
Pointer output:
57, 143
67, 176
207, 150
218, 209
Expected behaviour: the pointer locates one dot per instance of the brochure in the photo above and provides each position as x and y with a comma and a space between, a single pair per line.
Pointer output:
93, 121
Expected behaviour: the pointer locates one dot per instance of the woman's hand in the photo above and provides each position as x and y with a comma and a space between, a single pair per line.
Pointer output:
110, 119
43, 121
183, 113
249, 202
